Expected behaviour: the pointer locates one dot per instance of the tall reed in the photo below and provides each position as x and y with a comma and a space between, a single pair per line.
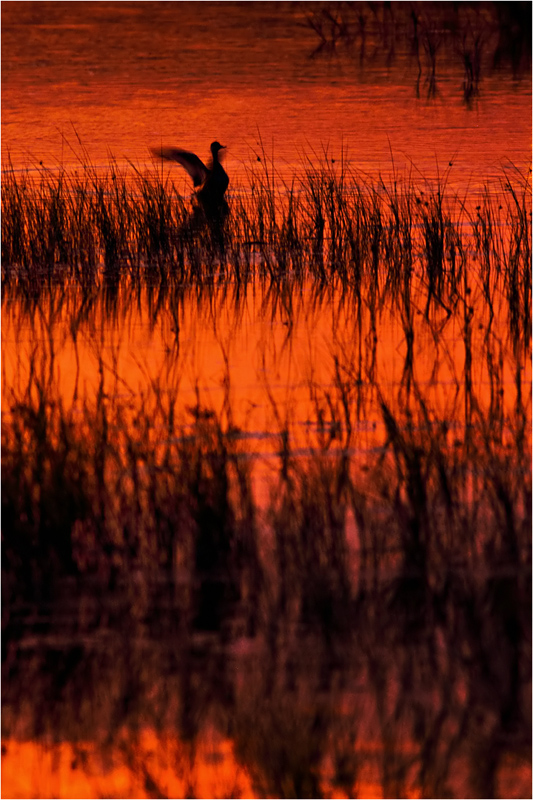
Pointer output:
328, 224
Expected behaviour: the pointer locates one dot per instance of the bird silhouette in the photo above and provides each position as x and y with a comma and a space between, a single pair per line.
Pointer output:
211, 178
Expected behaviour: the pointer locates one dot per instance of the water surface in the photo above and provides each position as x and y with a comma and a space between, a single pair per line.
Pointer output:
271, 538
131, 75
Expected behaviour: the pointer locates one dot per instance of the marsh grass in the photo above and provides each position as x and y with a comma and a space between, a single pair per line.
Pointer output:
327, 224
386, 592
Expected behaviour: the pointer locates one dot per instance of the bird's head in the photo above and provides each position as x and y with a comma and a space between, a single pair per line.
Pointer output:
216, 146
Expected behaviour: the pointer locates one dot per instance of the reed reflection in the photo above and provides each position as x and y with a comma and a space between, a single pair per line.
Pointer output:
287, 513
381, 614
427, 38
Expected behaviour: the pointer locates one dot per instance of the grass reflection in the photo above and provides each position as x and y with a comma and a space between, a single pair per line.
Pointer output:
147, 583
349, 608
479, 39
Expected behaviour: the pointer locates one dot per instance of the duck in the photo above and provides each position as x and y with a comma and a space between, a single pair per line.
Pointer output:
212, 179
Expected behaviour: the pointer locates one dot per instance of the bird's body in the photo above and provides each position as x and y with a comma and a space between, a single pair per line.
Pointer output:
212, 179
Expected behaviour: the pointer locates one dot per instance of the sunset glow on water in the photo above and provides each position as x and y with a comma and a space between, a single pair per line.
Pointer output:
266, 456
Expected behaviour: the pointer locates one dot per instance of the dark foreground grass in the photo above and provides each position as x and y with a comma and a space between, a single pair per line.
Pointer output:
386, 605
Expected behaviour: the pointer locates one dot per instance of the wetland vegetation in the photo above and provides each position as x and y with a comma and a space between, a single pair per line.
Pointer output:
329, 224
345, 592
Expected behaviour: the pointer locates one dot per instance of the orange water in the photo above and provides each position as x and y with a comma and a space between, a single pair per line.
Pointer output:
132, 75
127, 76
159, 765
272, 364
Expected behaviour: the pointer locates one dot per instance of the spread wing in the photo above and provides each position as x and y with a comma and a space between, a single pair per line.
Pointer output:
194, 166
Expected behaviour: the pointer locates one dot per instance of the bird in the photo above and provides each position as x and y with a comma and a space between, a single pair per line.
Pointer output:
212, 179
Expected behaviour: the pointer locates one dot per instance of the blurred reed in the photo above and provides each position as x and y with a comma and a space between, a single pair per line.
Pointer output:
117, 513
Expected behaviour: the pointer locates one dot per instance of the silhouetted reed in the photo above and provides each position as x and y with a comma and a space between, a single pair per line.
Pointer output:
329, 222
365, 577
328, 225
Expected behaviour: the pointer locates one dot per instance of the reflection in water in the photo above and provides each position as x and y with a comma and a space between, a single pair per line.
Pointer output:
268, 538
266, 475
148, 764
478, 39
128, 77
